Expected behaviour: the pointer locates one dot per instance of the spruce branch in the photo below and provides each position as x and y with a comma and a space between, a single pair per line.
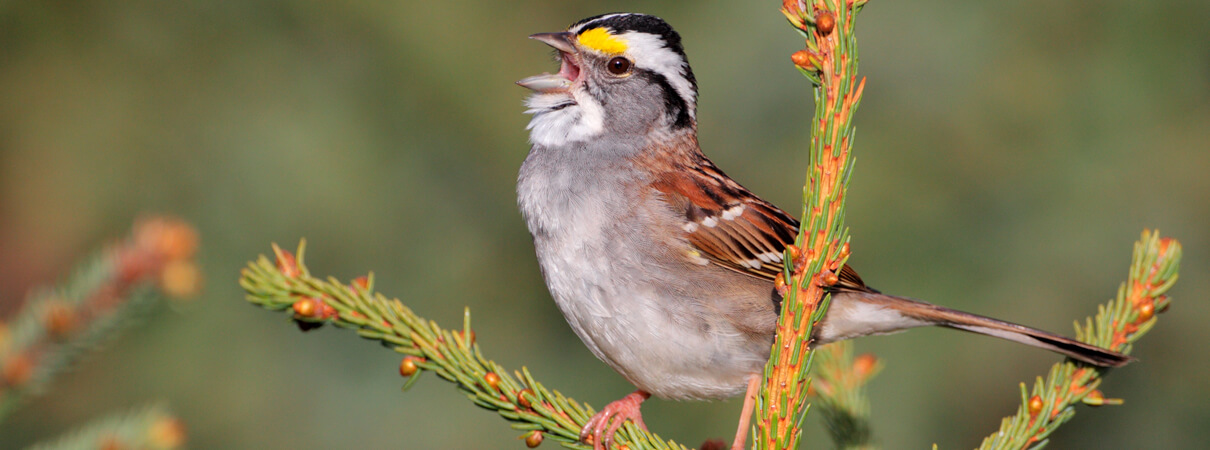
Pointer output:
822, 245
839, 389
812, 265
453, 355
57, 326
151, 428
1117, 325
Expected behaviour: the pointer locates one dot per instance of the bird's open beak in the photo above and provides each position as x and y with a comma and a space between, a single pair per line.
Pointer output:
560, 41
569, 71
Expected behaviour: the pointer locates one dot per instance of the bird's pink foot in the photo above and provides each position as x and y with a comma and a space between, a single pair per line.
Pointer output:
600, 428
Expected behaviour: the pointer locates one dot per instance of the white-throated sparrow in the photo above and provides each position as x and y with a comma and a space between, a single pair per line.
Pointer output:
662, 264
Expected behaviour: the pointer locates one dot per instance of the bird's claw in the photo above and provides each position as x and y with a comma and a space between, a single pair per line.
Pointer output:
599, 429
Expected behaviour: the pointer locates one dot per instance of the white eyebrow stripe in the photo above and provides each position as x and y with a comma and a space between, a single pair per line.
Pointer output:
649, 52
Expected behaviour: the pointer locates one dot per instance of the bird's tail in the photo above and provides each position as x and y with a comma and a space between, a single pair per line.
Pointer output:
855, 314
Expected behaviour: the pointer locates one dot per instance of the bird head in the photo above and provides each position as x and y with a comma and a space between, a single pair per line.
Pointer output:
620, 73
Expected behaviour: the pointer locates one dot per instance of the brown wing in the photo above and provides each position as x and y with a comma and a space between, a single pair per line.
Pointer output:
732, 227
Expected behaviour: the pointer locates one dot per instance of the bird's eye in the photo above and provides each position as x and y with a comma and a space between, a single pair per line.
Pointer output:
618, 65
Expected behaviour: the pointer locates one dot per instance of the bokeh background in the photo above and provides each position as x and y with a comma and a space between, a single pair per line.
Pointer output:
1009, 153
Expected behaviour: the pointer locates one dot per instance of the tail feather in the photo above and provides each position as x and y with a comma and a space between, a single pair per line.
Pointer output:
1077, 350
898, 313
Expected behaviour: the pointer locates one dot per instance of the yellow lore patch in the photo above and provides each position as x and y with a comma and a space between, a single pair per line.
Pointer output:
603, 41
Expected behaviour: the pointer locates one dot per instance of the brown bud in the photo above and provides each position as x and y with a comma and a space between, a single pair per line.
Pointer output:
792, 251
166, 433
1035, 405
362, 282
492, 380
1146, 310
779, 284
180, 279
533, 439
790, 5
17, 370
824, 22
864, 365
829, 278
805, 60
59, 320
308, 307
166, 237
408, 366
178, 241
521, 400
793, 12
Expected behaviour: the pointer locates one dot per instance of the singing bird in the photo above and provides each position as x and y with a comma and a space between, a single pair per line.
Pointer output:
662, 264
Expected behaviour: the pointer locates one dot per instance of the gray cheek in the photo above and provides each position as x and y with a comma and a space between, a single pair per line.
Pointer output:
632, 106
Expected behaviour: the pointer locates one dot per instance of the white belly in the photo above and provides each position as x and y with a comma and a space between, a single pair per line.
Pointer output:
658, 344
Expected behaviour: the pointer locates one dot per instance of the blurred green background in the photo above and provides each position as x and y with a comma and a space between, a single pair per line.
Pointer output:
1009, 153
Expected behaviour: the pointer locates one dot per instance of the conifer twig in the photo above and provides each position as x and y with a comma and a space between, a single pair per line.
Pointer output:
453, 355
821, 247
151, 428
57, 326
1117, 325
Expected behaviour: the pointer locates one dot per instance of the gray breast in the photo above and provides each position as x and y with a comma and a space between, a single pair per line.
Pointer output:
671, 329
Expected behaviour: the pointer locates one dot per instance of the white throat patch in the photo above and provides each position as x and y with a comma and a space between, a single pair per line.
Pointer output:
564, 118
